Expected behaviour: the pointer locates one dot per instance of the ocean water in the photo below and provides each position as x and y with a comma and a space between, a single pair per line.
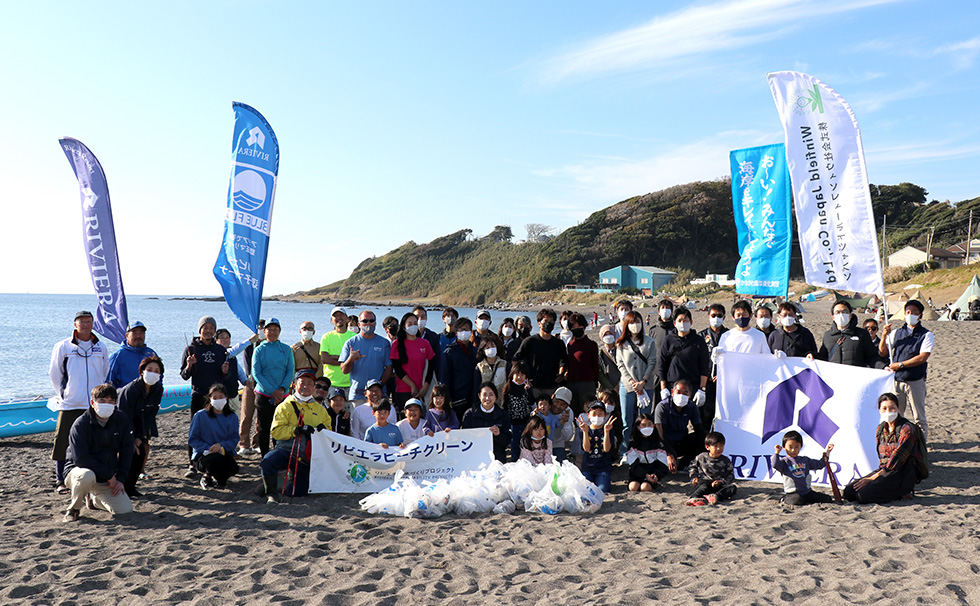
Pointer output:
31, 324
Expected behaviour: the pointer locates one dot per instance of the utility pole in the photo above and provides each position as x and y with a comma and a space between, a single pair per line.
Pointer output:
969, 238
932, 230
884, 222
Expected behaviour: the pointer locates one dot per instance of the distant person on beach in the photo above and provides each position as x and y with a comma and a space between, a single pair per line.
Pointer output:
544, 356
213, 437
99, 454
908, 350
763, 320
296, 418
124, 362
411, 362
458, 365
845, 343
306, 351
363, 415
898, 448
712, 473
582, 369
140, 400
331, 345
791, 338
683, 355
78, 364
365, 357
203, 362
510, 339
272, 368
672, 417
796, 469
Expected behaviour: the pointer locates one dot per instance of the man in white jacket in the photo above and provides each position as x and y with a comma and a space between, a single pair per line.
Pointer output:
78, 364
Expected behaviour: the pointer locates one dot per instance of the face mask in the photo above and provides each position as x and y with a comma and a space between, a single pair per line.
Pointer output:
548, 326
104, 409
842, 319
621, 313
680, 400
647, 431
306, 334
482, 324
564, 324
537, 439
742, 322
303, 398
635, 328
491, 352
787, 321
609, 339
367, 329
151, 378
421, 324
911, 319
888, 417
449, 322
507, 331
412, 329
610, 407
665, 314
682, 327
597, 420
219, 404
578, 333
716, 322
463, 335
763, 322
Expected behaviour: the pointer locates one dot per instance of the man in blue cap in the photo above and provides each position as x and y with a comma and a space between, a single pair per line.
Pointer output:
124, 363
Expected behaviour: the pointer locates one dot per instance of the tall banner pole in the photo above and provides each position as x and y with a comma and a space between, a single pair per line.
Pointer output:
99, 238
761, 205
240, 267
830, 185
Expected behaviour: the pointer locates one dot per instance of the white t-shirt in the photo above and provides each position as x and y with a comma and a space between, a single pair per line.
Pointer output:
927, 343
409, 434
749, 341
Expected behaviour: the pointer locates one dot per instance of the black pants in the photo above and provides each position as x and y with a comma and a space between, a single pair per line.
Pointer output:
886, 488
724, 492
198, 401
218, 466
691, 446
398, 399
805, 499
265, 410
136, 467
710, 405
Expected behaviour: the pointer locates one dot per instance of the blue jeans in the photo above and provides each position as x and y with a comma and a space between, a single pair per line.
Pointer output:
278, 459
630, 412
602, 479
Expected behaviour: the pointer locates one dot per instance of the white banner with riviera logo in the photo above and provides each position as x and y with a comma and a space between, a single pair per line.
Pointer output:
342, 464
761, 397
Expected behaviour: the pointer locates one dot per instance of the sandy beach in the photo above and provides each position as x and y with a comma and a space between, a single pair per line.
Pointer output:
186, 545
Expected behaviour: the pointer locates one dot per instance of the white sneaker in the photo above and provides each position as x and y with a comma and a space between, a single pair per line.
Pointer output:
243, 451
255, 451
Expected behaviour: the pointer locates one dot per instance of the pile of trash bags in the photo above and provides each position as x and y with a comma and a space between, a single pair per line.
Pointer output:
497, 488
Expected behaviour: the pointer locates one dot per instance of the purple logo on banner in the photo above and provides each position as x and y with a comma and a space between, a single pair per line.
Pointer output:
781, 404
99, 237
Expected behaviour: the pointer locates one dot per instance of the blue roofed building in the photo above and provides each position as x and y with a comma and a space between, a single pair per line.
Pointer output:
646, 278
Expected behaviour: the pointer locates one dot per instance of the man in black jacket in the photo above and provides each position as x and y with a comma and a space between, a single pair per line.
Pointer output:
100, 451
845, 342
791, 338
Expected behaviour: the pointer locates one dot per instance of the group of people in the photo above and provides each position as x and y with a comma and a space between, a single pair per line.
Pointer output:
641, 396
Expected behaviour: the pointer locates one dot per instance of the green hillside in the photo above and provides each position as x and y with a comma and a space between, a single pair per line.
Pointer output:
687, 227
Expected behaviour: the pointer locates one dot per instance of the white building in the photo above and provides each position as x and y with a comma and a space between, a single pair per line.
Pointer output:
913, 255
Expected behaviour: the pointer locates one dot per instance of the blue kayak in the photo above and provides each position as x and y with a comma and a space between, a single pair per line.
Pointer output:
25, 417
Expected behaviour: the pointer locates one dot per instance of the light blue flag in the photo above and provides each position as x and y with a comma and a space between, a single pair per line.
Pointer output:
761, 202
240, 268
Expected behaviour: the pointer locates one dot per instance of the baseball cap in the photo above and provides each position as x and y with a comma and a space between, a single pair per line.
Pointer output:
564, 394
415, 402
135, 325
83, 314
304, 372
338, 310
372, 383
272, 321
333, 392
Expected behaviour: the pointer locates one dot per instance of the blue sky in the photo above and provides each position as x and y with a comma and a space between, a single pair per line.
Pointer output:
407, 121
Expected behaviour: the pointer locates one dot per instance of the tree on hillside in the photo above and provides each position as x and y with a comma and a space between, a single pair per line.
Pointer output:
500, 233
897, 203
537, 231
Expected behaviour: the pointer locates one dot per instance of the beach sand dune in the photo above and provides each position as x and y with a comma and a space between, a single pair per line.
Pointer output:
185, 545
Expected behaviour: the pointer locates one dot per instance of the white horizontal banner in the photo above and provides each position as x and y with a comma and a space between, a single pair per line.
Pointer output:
342, 464
761, 397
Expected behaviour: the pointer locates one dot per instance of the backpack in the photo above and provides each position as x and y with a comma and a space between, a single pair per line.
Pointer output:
921, 462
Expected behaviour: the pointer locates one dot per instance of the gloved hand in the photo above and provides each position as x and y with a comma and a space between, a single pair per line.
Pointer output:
780, 354
715, 354
305, 430
664, 393
700, 397
321, 427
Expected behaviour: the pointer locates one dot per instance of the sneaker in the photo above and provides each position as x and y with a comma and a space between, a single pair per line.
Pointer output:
144, 477
62, 489
243, 452
255, 451
71, 515
272, 499
190, 473
696, 502
206, 482
624, 461
712, 499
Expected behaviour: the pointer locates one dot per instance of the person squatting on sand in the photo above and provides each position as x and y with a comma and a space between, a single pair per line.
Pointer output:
213, 437
712, 473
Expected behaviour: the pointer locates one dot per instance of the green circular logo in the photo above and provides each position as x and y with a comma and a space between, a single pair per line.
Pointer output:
357, 472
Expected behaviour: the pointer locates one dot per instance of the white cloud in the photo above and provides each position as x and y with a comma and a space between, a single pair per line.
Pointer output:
691, 32
963, 54
923, 151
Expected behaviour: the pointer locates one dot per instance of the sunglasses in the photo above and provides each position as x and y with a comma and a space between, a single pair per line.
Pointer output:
321, 387
369, 321
717, 316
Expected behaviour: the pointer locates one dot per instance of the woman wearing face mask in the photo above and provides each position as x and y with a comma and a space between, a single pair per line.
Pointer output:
491, 416
457, 365
509, 338
609, 376
898, 449
684, 355
846, 342
636, 357
566, 332
140, 401
411, 358
213, 437
491, 368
